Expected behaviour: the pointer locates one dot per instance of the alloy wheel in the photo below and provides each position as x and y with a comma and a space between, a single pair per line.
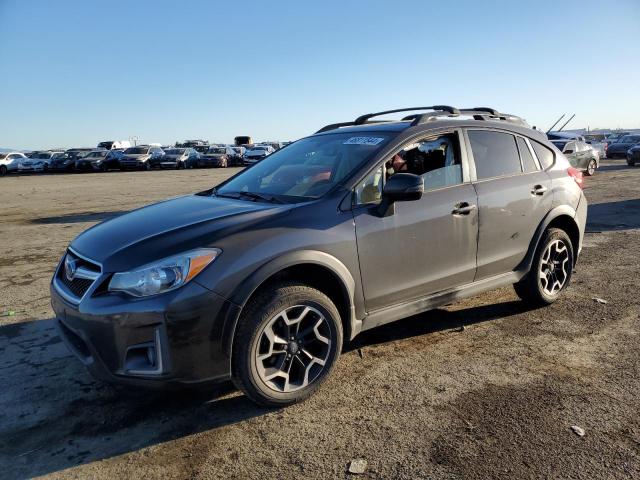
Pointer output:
293, 348
591, 169
555, 267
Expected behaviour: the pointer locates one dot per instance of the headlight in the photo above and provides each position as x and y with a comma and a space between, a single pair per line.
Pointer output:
164, 275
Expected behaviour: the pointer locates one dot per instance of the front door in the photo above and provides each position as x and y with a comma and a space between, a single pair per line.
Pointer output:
424, 246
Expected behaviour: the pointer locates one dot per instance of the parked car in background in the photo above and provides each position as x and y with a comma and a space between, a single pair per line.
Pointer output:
615, 136
137, 158
598, 143
99, 160
257, 153
579, 153
9, 161
65, 162
221, 157
175, 158
45, 156
30, 164
114, 145
240, 152
619, 148
633, 155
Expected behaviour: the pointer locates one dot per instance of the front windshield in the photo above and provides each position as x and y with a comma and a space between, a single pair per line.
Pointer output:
174, 151
216, 151
136, 151
308, 168
98, 154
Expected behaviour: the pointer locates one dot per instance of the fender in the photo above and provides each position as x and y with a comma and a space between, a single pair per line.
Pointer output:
554, 213
257, 278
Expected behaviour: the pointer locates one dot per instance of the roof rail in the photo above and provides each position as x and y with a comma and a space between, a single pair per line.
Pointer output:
443, 108
438, 111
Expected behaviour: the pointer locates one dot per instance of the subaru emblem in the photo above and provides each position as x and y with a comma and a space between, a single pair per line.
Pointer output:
70, 267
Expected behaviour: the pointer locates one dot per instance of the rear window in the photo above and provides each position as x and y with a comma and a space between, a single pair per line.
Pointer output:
495, 154
544, 154
528, 163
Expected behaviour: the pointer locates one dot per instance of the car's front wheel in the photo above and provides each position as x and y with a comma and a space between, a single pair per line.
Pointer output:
631, 162
3, 170
551, 269
286, 344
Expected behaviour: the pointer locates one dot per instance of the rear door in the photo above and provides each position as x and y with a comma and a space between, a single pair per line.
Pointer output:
427, 245
514, 195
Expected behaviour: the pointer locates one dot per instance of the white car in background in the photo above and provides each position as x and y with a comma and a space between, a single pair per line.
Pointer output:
38, 161
9, 161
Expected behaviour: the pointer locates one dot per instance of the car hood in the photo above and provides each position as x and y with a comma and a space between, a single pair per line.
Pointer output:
170, 158
168, 228
134, 156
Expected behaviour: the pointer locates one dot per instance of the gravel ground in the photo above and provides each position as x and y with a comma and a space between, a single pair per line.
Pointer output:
481, 389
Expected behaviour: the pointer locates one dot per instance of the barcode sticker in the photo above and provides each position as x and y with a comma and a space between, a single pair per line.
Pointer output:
363, 141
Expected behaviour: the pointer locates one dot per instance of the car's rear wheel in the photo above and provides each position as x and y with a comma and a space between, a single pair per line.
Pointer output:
591, 168
551, 269
3, 170
286, 344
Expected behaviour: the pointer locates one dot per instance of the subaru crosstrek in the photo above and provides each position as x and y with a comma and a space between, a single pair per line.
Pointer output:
263, 278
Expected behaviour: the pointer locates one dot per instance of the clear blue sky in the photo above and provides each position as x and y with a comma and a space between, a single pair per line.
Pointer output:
77, 72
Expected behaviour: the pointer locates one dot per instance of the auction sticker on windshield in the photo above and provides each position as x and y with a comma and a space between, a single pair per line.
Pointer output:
363, 141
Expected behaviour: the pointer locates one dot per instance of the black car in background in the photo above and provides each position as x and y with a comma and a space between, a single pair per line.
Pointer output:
140, 157
175, 158
618, 149
99, 160
221, 157
633, 155
66, 162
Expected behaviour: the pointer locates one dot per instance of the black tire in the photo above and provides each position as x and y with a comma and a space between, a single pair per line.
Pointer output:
631, 162
591, 168
104, 168
3, 170
260, 311
530, 289
147, 166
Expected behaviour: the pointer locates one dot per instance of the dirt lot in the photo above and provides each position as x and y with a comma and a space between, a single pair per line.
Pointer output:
422, 398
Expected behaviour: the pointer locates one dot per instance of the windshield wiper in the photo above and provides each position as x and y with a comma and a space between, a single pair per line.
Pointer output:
252, 195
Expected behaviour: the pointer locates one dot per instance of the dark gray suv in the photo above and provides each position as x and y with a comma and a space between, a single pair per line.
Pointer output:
263, 278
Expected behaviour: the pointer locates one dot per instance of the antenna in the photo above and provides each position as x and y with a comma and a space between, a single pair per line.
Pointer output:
565, 123
557, 121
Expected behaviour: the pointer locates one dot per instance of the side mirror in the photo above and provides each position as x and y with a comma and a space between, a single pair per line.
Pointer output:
401, 187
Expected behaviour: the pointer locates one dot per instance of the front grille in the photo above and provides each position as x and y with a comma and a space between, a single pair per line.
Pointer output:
86, 274
77, 286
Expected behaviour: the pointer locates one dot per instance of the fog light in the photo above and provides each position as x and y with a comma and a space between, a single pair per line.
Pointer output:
144, 358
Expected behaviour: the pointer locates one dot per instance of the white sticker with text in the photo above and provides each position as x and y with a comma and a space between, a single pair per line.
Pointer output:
363, 141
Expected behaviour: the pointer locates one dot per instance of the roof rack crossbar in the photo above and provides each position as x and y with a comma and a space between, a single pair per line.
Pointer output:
444, 108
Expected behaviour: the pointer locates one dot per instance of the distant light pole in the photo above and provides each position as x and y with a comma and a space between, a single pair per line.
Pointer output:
134, 139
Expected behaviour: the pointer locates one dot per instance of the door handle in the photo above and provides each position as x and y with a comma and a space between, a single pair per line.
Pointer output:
538, 190
463, 208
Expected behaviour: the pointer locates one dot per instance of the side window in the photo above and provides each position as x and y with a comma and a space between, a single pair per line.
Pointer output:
495, 153
370, 189
436, 159
528, 163
544, 154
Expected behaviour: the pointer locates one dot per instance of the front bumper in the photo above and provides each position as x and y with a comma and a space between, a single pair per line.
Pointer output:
112, 335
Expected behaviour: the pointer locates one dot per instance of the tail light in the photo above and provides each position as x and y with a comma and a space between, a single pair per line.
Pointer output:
576, 175
606, 145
